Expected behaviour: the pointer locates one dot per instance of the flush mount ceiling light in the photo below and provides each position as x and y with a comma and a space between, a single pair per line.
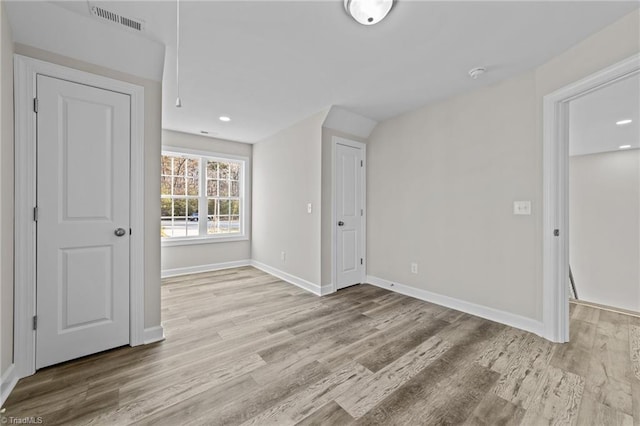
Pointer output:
368, 12
623, 122
224, 118
624, 147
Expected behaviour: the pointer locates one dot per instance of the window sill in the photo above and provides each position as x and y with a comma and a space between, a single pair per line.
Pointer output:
171, 242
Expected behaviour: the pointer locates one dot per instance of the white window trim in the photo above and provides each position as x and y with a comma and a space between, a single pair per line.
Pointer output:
244, 199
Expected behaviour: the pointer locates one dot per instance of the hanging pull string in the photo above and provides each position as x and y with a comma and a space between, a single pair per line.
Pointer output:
178, 100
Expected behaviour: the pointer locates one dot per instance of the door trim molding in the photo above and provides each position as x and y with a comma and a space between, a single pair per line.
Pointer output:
25, 72
555, 307
334, 214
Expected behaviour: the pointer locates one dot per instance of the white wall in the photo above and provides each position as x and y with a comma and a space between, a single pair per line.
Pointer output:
6, 192
440, 188
442, 180
287, 176
201, 255
152, 129
604, 219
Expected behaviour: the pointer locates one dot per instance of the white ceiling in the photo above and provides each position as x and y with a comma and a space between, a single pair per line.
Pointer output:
593, 118
269, 64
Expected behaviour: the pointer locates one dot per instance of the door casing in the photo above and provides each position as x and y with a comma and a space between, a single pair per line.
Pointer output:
25, 73
334, 214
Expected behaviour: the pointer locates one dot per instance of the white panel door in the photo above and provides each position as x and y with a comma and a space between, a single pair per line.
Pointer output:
349, 263
83, 199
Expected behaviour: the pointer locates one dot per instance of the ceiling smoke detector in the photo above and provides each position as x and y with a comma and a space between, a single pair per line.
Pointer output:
107, 15
477, 72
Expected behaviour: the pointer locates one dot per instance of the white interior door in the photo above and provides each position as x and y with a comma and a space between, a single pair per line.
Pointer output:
349, 215
83, 220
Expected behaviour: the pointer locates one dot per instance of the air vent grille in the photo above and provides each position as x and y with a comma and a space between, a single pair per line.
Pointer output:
134, 24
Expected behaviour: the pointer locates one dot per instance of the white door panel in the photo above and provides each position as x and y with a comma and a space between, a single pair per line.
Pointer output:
349, 198
83, 197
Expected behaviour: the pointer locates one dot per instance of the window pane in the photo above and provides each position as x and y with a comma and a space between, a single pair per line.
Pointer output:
211, 207
192, 217
223, 188
223, 224
235, 189
165, 207
193, 168
179, 186
234, 207
235, 224
212, 170
212, 225
179, 208
192, 187
212, 188
165, 185
179, 165
165, 165
224, 207
224, 170
234, 171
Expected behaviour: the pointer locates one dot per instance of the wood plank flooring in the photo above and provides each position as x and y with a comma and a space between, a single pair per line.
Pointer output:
245, 348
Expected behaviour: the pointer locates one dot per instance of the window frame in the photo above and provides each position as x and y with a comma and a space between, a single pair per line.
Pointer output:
204, 157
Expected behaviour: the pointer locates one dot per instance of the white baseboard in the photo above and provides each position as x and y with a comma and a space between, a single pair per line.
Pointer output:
507, 318
292, 279
153, 334
166, 273
8, 381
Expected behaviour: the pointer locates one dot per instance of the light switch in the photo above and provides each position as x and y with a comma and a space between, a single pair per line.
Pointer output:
309, 209
522, 207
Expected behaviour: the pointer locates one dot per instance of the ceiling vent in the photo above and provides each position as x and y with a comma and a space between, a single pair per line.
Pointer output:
134, 24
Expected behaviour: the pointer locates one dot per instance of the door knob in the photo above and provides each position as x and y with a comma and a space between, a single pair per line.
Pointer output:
341, 223
120, 232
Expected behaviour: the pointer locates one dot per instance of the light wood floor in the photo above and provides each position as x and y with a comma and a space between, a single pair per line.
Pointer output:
244, 347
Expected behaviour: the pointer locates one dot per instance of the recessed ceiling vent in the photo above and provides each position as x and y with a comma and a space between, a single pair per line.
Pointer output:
134, 24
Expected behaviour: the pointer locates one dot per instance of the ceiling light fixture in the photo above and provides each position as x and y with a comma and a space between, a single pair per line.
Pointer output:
178, 100
623, 122
474, 73
225, 118
368, 12
625, 146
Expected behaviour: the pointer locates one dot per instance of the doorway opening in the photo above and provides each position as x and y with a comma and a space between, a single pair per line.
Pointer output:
556, 176
604, 196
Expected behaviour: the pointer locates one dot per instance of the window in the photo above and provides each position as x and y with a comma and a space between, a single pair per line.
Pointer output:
201, 196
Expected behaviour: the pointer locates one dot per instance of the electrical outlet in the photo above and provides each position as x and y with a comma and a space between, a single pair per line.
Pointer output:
283, 256
309, 208
414, 268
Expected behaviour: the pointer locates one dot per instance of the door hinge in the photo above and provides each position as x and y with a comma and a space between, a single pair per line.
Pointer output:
35, 322
129, 231
361, 212
556, 232
361, 261
35, 105
361, 163
35, 214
